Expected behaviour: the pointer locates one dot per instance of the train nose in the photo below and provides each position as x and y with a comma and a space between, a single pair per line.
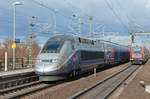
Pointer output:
46, 69
46, 63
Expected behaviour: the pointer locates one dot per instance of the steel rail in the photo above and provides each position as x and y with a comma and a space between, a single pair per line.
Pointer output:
18, 95
19, 87
77, 95
13, 93
115, 87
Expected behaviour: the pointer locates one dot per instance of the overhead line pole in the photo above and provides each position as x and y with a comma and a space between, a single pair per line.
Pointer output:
91, 24
103, 31
30, 44
55, 22
79, 25
116, 15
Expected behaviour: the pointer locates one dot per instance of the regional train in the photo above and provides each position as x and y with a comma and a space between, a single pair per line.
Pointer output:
66, 56
138, 54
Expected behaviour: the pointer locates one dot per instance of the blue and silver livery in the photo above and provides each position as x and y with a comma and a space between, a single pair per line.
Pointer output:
69, 55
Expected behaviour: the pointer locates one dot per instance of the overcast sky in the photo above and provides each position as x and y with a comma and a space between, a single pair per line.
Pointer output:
116, 16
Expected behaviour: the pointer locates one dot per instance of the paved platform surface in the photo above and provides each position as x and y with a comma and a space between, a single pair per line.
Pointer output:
16, 72
132, 89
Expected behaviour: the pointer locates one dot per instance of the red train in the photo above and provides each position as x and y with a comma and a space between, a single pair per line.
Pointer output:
138, 54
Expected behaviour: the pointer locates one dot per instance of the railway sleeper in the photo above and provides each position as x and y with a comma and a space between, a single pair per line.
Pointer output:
17, 82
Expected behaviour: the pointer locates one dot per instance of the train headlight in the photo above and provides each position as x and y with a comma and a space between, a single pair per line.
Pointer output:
39, 60
54, 60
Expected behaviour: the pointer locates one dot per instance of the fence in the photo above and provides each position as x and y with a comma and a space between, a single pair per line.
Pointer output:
20, 63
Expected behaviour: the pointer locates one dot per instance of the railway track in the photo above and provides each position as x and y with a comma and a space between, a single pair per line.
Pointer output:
18, 81
99, 90
103, 89
22, 90
26, 89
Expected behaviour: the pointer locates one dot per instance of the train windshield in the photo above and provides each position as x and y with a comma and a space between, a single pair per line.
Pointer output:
137, 51
52, 47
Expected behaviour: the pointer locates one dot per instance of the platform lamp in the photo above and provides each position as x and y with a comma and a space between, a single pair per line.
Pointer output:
14, 28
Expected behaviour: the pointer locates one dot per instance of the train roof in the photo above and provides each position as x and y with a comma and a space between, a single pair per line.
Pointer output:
71, 36
113, 43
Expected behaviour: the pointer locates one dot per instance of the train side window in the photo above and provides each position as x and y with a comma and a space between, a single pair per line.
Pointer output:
86, 41
79, 39
92, 42
87, 55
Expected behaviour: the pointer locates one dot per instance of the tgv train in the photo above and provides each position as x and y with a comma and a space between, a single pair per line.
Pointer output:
138, 54
68, 55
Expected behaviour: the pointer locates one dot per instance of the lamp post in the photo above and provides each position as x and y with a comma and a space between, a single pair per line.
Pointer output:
14, 29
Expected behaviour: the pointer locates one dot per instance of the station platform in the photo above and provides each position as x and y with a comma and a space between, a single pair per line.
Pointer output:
137, 86
16, 72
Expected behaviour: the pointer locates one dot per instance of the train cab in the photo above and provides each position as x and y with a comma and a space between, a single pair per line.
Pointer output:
138, 54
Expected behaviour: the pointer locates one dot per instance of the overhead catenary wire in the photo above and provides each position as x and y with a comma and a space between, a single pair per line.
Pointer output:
70, 18
80, 10
130, 19
68, 2
115, 14
51, 9
97, 29
54, 11
135, 24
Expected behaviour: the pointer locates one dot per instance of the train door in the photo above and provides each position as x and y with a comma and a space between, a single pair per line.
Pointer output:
104, 53
76, 64
108, 51
103, 47
116, 54
75, 61
112, 55
119, 54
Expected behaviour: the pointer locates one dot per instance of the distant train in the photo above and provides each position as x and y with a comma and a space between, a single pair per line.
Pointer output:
68, 55
138, 54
